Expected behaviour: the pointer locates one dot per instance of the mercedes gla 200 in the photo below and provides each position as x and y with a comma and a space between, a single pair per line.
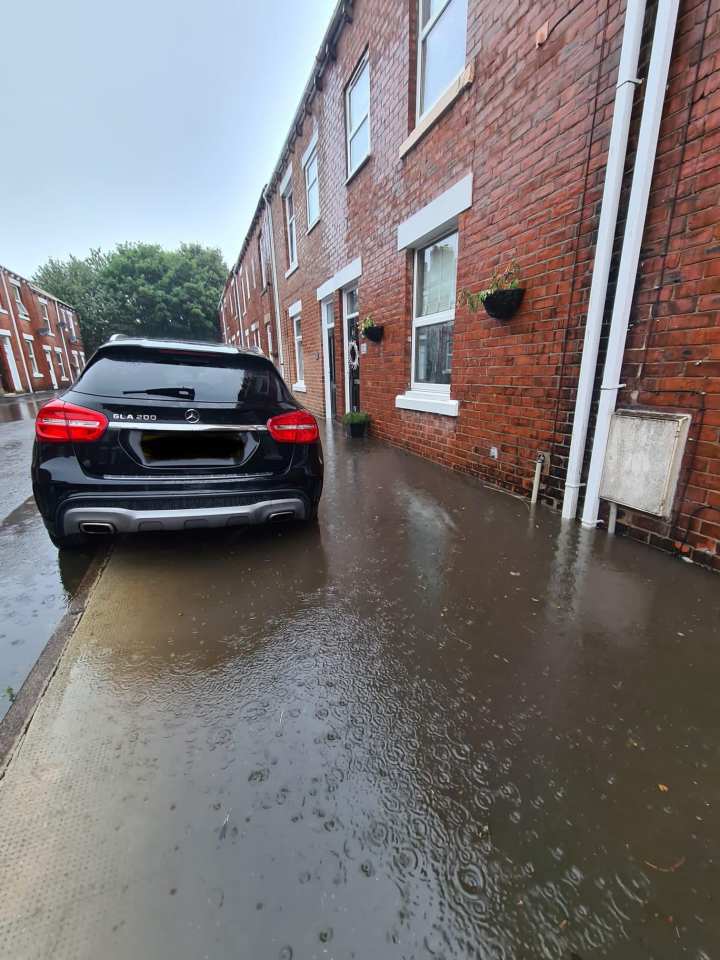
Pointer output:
173, 435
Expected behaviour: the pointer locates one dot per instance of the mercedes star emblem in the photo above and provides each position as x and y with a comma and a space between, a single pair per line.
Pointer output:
192, 416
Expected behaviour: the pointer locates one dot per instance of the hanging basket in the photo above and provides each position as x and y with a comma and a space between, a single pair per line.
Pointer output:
504, 304
375, 334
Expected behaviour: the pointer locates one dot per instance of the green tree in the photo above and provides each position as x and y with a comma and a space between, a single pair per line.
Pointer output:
141, 289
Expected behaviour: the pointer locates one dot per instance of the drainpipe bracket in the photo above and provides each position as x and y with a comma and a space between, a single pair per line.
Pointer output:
616, 386
635, 81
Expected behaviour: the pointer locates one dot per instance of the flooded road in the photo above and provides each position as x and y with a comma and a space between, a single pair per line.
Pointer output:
435, 726
37, 584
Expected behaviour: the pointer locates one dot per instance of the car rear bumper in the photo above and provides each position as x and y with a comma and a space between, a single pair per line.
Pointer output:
67, 497
88, 518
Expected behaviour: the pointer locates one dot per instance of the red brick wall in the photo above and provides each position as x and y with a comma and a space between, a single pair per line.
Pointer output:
533, 128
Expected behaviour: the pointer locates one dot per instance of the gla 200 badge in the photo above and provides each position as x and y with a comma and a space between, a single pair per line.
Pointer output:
135, 416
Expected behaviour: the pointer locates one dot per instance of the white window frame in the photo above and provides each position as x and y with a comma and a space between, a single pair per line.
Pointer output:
268, 337
47, 350
350, 133
45, 315
295, 314
31, 356
299, 352
311, 157
290, 228
429, 397
242, 291
17, 294
263, 264
252, 265
444, 316
70, 322
422, 110
255, 335
61, 364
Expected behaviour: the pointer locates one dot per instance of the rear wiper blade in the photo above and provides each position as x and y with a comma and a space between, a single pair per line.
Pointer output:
183, 393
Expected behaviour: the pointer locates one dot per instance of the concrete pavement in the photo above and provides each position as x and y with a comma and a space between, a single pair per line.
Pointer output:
436, 726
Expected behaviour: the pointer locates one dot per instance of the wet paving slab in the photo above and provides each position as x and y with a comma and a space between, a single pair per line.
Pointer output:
436, 725
37, 583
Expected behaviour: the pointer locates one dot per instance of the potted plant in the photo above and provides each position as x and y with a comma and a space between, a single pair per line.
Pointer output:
356, 422
502, 298
371, 330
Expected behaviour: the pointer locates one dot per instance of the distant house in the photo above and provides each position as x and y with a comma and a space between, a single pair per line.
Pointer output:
41, 345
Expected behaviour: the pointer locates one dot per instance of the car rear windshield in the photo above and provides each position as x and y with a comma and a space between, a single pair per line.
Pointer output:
201, 378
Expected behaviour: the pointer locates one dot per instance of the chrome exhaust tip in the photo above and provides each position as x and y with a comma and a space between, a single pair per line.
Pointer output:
96, 527
281, 516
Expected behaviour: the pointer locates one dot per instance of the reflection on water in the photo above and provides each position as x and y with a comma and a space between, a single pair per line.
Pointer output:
36, 584
35, 591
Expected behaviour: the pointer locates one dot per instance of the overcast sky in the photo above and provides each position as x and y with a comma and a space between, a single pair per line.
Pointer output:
154, 120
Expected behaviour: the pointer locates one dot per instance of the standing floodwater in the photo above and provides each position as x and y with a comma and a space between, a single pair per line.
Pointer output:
435, 726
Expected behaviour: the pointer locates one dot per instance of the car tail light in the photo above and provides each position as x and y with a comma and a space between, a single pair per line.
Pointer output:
61, 422
296, 427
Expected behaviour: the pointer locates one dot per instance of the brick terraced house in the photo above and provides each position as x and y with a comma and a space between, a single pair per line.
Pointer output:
41, 345
439, 141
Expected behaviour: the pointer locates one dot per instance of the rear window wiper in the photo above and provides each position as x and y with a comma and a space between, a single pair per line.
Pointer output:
183, 393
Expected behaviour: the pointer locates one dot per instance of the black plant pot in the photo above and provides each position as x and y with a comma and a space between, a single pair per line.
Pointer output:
357, 430
504, 304
374, 333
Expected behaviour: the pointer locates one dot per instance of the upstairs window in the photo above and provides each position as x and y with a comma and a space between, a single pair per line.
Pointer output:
312, 190
69, 322
357, 116
21, 308
44, 315
263, 264
441, 49
289, 207
434, 314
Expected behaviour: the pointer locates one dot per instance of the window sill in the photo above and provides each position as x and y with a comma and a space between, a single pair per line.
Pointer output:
299, 387
358, 168
442, 104
38, 376
291, 269
427, 403
312, 226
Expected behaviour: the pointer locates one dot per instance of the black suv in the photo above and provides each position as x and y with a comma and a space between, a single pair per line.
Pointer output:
172, 435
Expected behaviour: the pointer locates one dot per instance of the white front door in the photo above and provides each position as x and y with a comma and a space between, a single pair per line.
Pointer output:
328, 343
12, 365
48, 357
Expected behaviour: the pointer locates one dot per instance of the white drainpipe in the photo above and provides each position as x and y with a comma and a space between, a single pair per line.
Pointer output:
276, 297
630, 257
626, 82
241, 329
